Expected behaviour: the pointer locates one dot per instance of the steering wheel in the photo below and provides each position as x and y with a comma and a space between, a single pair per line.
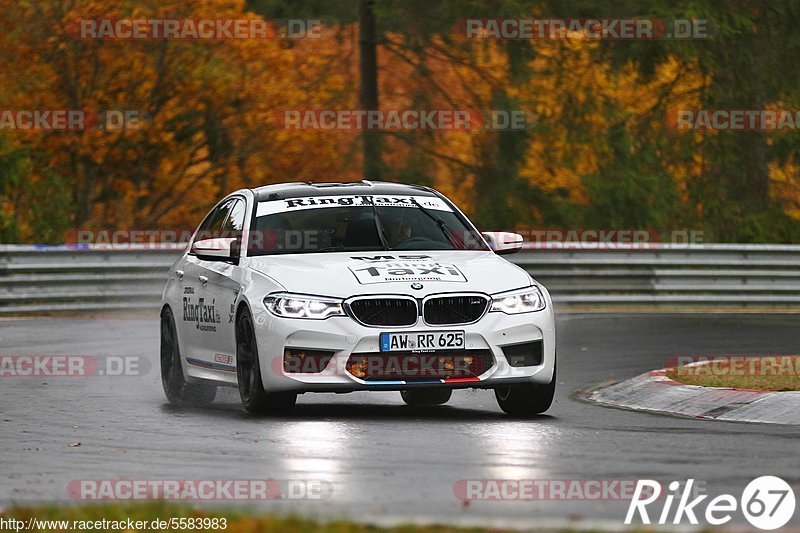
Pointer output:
422, 243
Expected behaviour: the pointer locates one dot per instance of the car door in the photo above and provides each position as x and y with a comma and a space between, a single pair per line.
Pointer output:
199, 314
220, 285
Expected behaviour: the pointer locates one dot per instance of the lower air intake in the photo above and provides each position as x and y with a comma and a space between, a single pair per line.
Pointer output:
409, 367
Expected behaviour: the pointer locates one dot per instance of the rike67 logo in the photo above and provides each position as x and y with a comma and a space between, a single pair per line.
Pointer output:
768, 503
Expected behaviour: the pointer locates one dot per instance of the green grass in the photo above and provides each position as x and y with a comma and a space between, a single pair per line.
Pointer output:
773, 373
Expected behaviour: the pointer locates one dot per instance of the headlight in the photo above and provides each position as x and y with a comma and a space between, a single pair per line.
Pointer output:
301, 306
519, 301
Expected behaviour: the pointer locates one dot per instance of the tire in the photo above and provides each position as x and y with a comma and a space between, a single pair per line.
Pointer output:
248, 373
422, 397
528, 399
176, 388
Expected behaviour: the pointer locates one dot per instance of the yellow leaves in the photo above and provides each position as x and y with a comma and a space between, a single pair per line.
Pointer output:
785, 186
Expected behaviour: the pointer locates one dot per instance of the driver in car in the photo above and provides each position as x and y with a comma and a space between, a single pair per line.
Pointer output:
397, 231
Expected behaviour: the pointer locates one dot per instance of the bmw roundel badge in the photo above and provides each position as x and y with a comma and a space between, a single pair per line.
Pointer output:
416, 286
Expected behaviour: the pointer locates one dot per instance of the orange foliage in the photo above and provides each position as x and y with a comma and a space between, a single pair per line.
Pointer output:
211, 105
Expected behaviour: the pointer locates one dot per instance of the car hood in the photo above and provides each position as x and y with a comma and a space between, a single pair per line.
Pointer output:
344, 274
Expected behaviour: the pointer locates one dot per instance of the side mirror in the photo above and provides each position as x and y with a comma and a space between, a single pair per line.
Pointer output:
503, 242
223, 249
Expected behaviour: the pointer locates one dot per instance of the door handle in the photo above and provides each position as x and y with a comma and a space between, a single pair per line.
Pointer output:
179, 273
203, 279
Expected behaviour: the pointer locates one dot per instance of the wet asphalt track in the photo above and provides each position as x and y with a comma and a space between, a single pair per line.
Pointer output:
385, 460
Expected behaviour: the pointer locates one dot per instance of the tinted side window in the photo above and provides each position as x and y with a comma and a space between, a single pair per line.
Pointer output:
235, 220
212, 226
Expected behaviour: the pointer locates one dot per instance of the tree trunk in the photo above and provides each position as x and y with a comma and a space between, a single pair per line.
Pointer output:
368, 95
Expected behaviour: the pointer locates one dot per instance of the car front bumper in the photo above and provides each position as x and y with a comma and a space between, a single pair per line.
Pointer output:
344, 337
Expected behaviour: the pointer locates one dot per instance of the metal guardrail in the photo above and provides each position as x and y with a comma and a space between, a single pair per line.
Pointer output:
686, 277
36, 279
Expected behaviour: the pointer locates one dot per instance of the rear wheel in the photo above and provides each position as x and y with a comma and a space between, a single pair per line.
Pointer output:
420, 397
176, 388
527, 399
248, 371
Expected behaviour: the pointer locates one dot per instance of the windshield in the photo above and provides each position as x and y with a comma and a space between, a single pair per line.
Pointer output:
359, 223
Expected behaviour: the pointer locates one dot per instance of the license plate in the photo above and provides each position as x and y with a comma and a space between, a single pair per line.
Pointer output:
428, 341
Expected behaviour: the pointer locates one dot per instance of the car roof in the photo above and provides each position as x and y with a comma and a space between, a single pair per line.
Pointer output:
297, 189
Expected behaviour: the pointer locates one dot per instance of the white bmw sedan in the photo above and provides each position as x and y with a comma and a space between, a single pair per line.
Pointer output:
338, 287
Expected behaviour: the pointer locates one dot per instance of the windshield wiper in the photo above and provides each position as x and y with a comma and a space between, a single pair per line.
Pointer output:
379, 227
448, 232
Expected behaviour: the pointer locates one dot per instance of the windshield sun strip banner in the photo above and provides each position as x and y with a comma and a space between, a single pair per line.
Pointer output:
360, 200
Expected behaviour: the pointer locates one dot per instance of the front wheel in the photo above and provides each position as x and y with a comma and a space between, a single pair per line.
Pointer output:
526, 399
421, 397
248, 371
176, 388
